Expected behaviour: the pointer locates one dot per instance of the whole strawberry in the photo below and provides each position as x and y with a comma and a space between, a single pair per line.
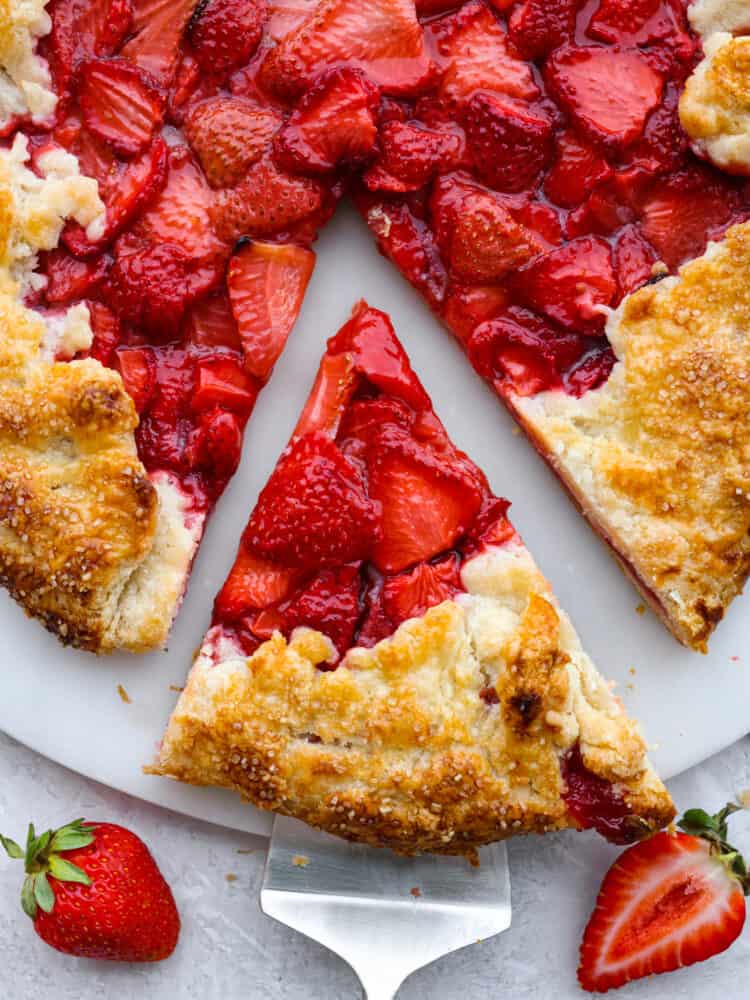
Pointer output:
94, 890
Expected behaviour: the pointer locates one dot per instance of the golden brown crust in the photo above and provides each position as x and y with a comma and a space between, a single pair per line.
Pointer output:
403, 746
659, 457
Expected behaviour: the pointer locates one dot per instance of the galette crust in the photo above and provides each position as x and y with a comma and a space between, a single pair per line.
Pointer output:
658, 459
397, 747
710, 16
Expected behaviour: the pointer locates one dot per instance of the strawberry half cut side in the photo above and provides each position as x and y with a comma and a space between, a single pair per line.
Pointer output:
667, 902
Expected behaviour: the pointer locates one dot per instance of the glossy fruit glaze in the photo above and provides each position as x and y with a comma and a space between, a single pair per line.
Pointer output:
595, 803
370, 512
544, 176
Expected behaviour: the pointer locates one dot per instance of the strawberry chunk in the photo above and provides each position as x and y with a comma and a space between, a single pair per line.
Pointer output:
69, 279
576, 170
427, 585
382, 38
284, 16
137, 368
477, 235
427, 502
218, 446
266, 201
580, 80
510, 146
267, 283
570, 285
106, 329
634, 261
642, 22
537, 27
252, 583
119, 104
223, 382
333, 124
211, 323
159, 26
228, 135
224, 34
593, 370
475, 53
314, 510
371, 341
411, 155
466, 306
334, 386
684, 211
82, 30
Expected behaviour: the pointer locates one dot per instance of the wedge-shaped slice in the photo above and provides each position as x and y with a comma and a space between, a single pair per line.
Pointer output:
386, 661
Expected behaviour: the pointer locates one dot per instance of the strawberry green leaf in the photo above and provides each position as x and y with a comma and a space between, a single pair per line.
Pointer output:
72, 837
11, 848
698, 822
43, 893
67, 872
28, 900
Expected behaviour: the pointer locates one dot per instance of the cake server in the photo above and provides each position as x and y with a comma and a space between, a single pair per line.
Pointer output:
386, 916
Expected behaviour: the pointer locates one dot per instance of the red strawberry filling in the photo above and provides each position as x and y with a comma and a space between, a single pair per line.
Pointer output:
370, 512
594, 802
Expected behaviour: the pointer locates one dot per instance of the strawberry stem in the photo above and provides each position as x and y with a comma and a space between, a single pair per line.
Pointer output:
714, 829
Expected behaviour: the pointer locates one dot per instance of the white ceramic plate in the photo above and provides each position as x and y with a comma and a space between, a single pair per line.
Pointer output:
65, 704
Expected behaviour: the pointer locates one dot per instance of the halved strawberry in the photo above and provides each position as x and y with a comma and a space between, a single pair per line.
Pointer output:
570, 284
228, 135
69, 279
210, 323
667, 902
371, 341
579, 78
576, 170
477, 235
106, 329
223, 382
411, 155
333, 124
334, 386
314, 510
475, 52
537, 27
159, 26
218, 446
254, 582
265, 202
510, 146
267, 283
120, 104
224, 34
411, 594
137, 367
181, 213
383, 38
428, 502
634, 260
682, 212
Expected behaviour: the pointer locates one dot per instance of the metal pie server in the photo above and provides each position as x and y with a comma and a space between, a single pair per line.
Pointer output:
386, 916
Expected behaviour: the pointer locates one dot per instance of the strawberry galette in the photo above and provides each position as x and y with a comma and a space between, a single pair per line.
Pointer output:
385, 660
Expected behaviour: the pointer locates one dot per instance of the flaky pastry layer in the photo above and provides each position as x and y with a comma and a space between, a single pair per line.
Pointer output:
401, 746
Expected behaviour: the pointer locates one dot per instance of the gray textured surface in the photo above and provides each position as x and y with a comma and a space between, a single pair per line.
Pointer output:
229, 951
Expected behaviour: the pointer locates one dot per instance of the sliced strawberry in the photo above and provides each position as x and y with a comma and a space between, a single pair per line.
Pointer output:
580, 80
106, 329
570, 285
477, 235
466, 306
427, 585
265, 202
224, 34
664, 145
411, 155
576, 170
370, 339
428, 503
253, 583
593, 370
536, 27
634, 261
333, 124
383, 39
180, 214
159, 26
614, 202
267, 283
364, 419
228, 135
137, 367
284, 16
476, 55
642, 22
81, 30
409, 243
211, 323
314, 510
510, 146
682, 212
218, 447
69, 279
543, 221
223, 382
335, 384
491, 526
119, 104
667, 902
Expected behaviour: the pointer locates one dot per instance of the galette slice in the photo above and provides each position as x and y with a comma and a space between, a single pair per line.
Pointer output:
386, 661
